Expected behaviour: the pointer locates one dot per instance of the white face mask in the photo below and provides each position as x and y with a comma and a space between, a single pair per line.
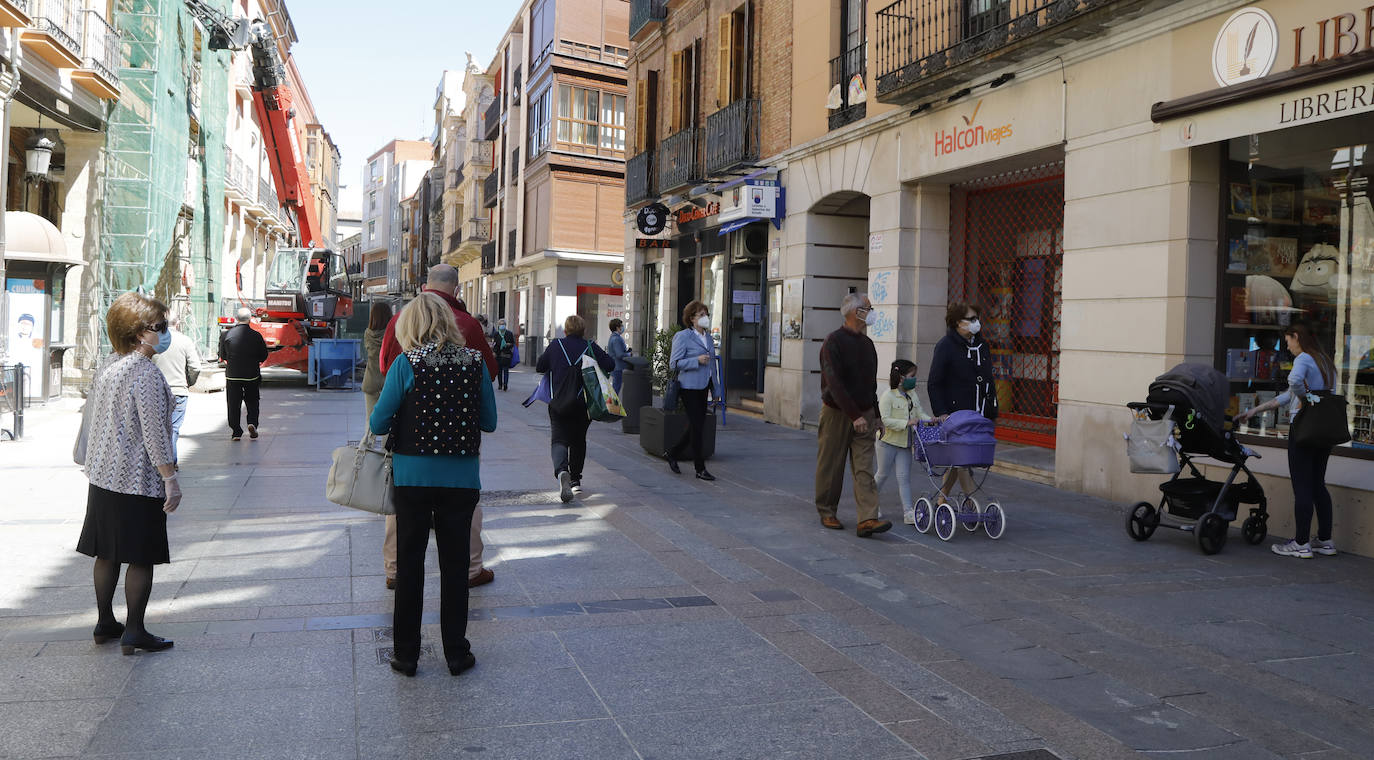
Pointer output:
974, 326
704, 323
870, 317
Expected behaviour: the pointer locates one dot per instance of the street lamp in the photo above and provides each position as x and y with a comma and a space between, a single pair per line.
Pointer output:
38, 155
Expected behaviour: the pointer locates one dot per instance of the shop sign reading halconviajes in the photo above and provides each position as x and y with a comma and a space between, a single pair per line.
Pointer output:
1245, 48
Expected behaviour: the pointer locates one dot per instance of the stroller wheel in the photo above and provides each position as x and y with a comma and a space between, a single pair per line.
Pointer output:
1211, 533
994, 520
925, 515
968, 514
1254, 530
945, 522
1142, 521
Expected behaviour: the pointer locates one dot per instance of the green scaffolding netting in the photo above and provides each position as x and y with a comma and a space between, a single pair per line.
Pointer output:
163, 216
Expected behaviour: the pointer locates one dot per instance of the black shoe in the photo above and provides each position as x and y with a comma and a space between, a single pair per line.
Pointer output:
456, 668
403, 667
672, 462
106, 632
145, 641
704, 475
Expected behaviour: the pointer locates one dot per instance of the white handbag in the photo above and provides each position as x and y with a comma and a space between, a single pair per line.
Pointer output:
361, 478
1151, 447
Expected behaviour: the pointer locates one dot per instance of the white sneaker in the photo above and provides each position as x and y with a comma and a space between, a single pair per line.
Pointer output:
909, 516
1327, 548
565, 491
1293, 549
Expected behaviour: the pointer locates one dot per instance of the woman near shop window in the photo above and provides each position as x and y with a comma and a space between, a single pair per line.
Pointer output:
126, 447
1312, 370
961, 378
900, 411
693, 359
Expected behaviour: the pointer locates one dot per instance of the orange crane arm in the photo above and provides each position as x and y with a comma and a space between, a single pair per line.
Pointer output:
289, 173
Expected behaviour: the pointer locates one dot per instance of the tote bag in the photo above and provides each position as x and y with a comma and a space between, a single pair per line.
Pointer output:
361, 478
1321, 423
1150, 446
603, 403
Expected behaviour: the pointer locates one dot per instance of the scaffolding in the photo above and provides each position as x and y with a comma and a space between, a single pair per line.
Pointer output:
163, 220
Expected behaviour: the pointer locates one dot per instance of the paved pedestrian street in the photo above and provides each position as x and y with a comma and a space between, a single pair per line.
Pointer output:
662, 617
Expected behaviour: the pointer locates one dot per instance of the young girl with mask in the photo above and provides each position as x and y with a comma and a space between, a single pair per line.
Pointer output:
900, 410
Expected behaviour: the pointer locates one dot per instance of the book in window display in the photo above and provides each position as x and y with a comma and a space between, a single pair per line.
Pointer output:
1274, 200
1242, 199
1282, 256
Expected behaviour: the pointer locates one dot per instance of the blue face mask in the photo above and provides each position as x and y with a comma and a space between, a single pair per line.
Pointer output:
164, 341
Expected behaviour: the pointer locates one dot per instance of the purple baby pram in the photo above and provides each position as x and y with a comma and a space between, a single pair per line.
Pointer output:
964, 440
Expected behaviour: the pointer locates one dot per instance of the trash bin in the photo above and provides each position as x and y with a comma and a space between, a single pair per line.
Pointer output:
332, 362
636, 391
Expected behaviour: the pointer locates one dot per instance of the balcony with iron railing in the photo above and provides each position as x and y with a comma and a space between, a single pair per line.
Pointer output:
732, 136
847, 70
100, 47
14, 14
491, 119
613, 55
639, 178
489, 257
455, 239
677, 160
235, 177
490, 186
646, 16
920, 45
54, 34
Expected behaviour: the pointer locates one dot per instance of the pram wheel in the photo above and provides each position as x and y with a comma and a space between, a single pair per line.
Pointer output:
925, 514
1211, 533
1142, 521
1254, 529
968, 514
994, 520
945, 521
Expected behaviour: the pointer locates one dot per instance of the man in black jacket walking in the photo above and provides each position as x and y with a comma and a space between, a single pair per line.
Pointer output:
243, 351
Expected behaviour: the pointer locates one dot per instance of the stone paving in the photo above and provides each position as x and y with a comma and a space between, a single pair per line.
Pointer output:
663, 617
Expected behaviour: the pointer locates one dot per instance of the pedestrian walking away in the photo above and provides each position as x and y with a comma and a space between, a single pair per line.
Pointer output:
126, 447
436, 403
900, 410
568, 429
243, 351
615, 346
442, 281
505, 353
693, 358
961, 377
1312, 370
849, 418
180, 365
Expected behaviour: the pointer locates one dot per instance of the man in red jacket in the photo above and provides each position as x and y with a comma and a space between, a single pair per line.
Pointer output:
443, 282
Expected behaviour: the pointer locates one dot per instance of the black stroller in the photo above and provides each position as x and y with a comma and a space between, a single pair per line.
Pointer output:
1190, 502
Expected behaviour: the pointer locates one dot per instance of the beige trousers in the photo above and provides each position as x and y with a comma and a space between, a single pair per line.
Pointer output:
836, 441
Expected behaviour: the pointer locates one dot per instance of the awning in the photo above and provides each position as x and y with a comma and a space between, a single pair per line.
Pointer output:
738, 223
1305, 96
30, 237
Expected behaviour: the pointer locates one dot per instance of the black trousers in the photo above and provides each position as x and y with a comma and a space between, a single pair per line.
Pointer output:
694, 400
504, 374
568, 443
238, 393
1307, 468
449, 512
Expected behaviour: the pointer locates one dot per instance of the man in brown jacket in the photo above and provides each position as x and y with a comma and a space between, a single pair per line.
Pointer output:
849, 418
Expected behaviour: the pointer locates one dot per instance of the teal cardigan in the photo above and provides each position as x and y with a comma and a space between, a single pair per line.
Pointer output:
431, 471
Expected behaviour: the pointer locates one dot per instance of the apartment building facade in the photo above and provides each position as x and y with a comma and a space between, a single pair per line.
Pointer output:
468, 161
390, 175
554, 197
712, 109
59, 71
324, 162
1121, 185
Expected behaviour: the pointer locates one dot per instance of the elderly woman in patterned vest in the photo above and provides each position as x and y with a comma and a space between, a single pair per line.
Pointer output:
436, 402
127, 437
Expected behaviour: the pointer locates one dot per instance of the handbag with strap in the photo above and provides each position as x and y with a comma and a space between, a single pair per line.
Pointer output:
1150, 446
1321, 422
603, 403
360, 477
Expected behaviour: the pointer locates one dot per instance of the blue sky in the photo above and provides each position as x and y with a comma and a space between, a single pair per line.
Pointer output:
372, 67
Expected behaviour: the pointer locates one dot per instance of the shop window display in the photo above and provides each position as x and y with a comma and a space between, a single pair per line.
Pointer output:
1299, 247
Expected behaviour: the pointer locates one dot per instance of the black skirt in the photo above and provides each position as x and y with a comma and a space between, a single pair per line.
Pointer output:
124, 528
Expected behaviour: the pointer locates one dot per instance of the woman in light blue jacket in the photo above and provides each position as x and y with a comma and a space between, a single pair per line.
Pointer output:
1312, 370
694, 360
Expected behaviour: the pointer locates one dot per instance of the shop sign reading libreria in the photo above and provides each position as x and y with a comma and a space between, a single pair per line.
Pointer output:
1248, 48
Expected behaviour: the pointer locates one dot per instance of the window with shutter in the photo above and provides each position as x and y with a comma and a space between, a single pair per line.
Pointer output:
676, 93
641, 115
725, 46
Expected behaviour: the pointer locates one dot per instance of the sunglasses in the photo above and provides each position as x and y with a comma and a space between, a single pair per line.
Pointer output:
159, 327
